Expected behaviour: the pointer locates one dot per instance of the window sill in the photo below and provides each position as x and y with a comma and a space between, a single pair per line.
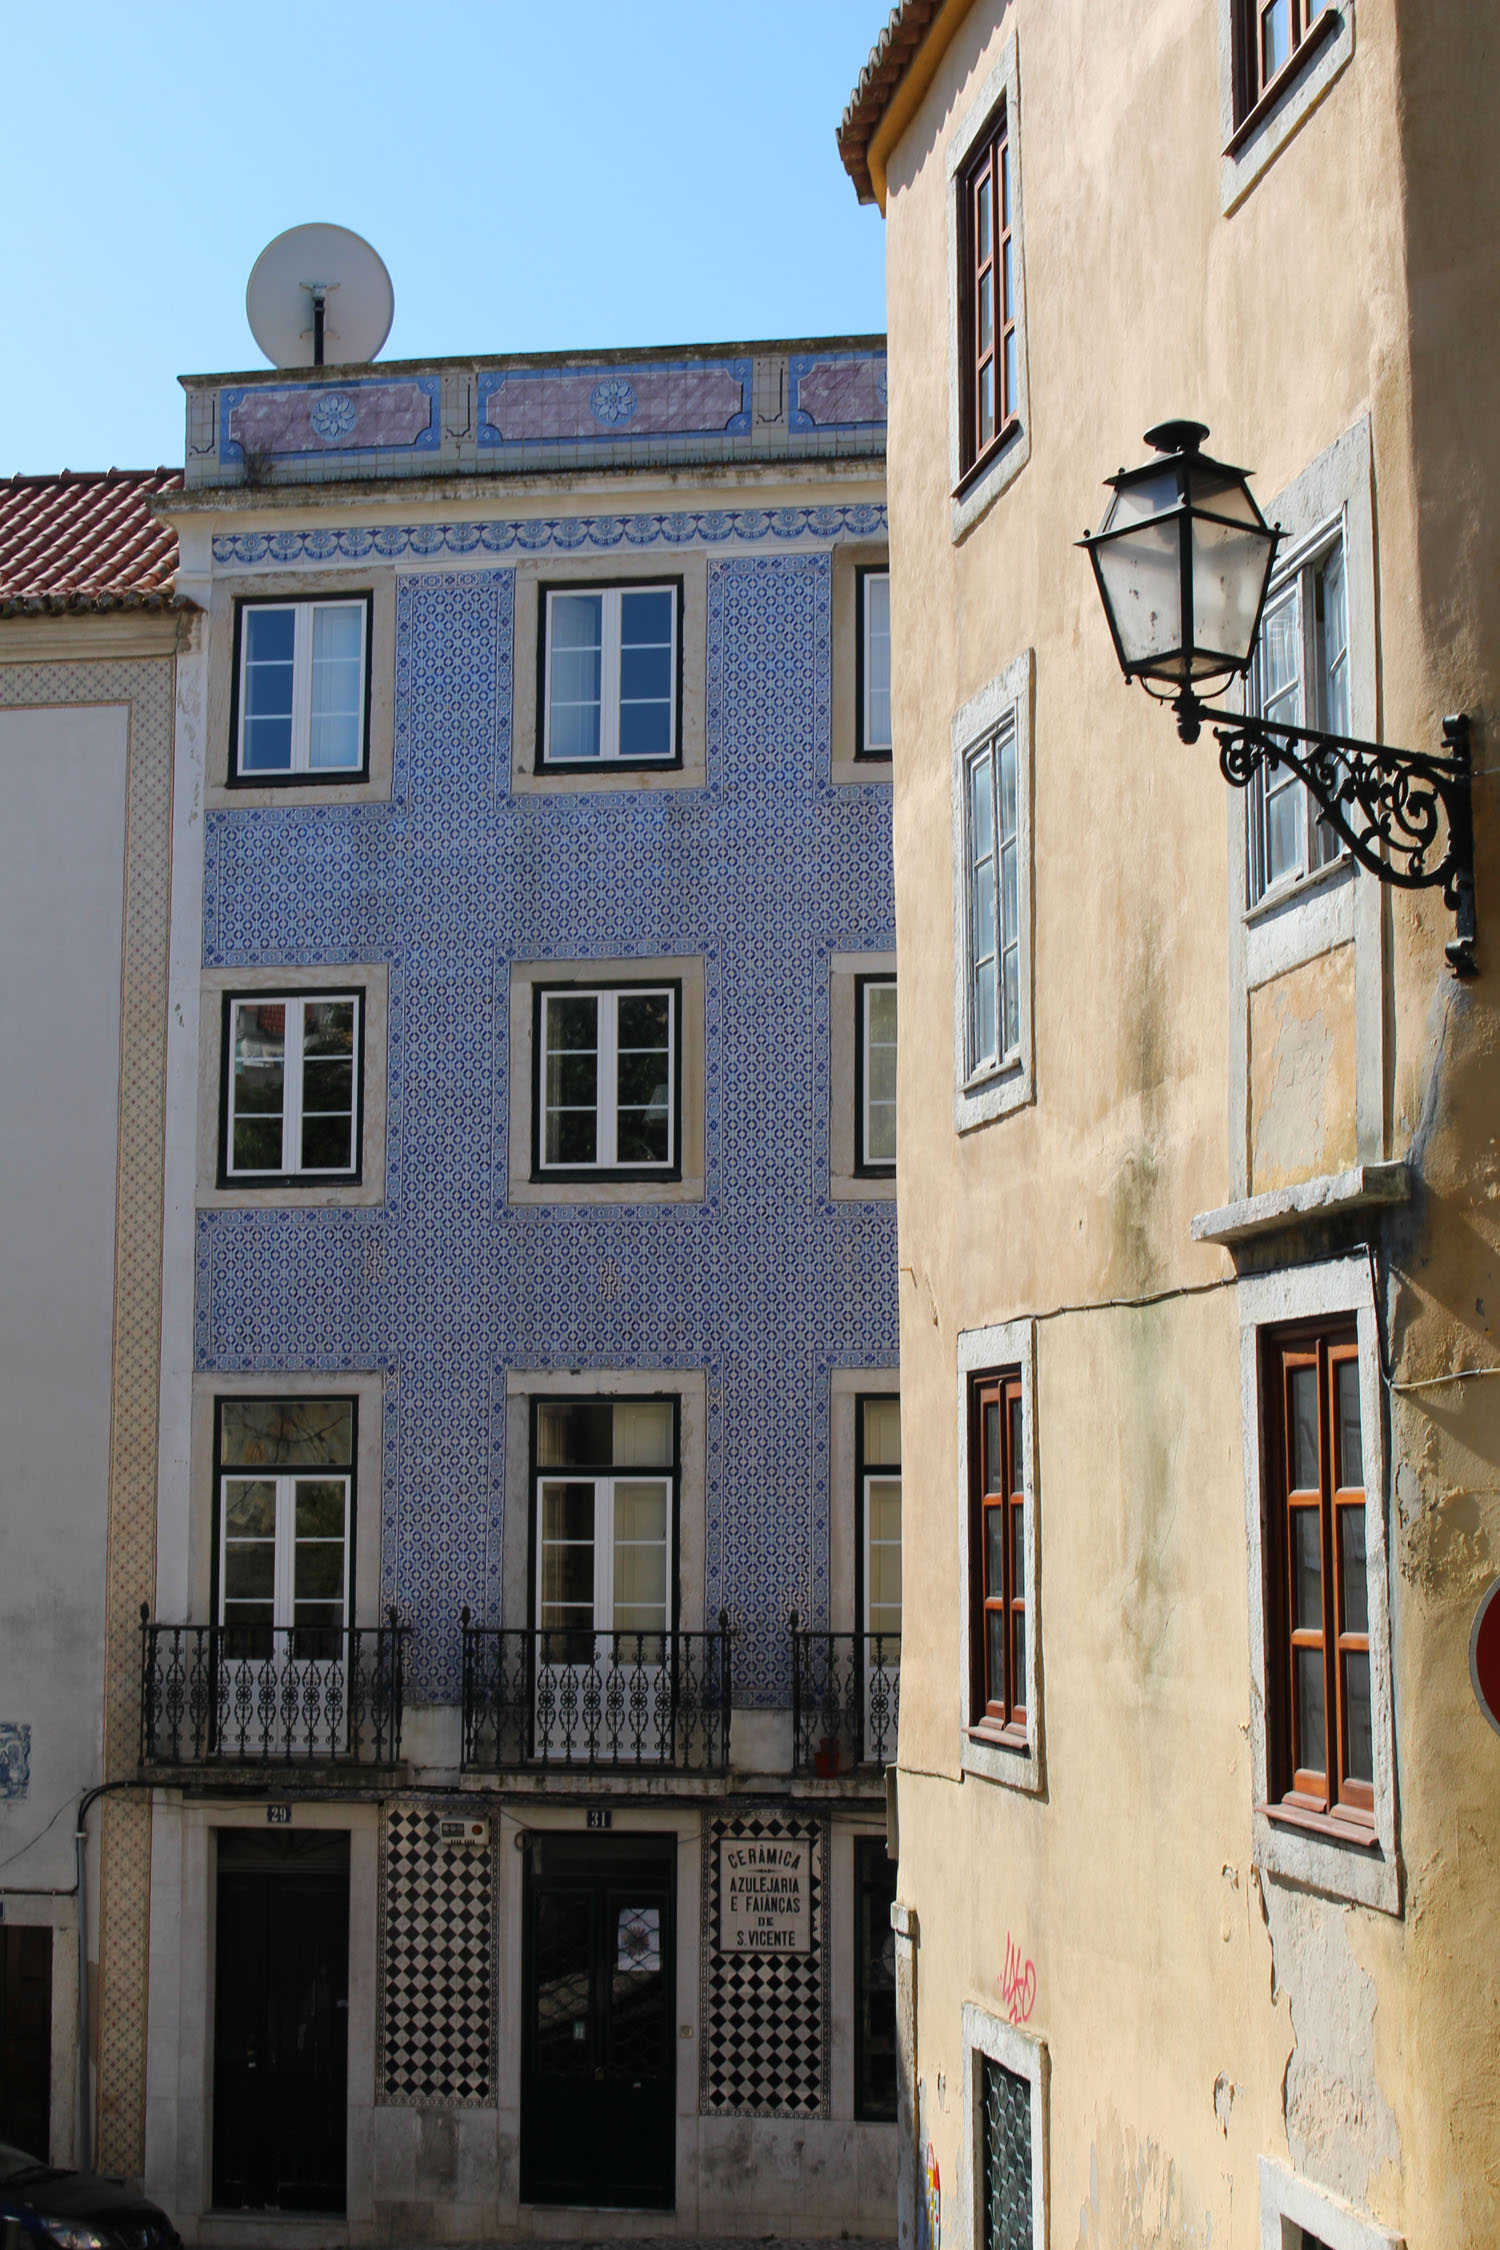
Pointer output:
1331, 20
1327, 1825
1365, 1187
1292, 890
987, 460
995, 1737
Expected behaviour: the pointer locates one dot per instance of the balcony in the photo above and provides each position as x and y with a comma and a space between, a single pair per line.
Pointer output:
581, 1701
216, 1695
846, 1698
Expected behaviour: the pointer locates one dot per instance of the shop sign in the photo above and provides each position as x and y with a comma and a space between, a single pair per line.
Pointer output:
765, 1895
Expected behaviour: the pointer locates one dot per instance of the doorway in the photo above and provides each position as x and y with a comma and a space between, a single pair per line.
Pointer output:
598, 2052
26, 2040
281, 2021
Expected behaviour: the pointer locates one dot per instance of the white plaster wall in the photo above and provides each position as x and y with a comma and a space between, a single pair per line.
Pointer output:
62, 857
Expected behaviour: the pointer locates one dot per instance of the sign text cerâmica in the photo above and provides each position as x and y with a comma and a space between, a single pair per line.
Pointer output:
765, 1896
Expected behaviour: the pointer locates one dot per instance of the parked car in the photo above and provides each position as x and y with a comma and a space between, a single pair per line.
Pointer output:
76, 2210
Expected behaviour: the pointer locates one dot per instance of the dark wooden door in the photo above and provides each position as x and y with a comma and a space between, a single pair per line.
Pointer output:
26, 2040
598, 2063
281, 2035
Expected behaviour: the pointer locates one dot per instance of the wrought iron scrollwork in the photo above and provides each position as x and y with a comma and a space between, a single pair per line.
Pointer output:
1404, 815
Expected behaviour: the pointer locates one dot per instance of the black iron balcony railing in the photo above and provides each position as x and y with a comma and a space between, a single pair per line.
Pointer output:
846, 1697
605, 1702
221, 1693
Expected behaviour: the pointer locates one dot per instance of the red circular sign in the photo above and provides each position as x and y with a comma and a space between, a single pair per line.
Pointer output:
1484, 1656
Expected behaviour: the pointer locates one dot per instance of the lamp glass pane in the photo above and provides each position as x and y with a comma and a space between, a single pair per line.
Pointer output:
1140, 579
1230, 567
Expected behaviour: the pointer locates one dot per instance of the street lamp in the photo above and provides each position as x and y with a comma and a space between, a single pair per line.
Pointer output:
1183, 560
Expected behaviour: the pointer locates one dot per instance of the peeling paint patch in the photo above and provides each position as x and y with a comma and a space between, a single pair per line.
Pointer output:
1136, 2197
1339, 2126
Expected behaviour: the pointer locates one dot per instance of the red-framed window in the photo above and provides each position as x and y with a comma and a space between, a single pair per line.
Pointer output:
989, 347
1272, 33
1317, 1580
998, 1554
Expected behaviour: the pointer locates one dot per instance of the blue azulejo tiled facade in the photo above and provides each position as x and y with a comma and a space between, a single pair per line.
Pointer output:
767, 1284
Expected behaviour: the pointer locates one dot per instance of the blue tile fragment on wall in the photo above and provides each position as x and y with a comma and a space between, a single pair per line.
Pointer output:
15, 1759
766, 1285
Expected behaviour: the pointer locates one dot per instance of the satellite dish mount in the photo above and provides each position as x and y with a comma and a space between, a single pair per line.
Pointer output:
320, 292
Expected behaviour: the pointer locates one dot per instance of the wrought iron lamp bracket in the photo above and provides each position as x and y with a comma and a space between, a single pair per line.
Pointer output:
1393, 808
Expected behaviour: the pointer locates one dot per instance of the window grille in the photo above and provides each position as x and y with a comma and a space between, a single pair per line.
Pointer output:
1005, 2156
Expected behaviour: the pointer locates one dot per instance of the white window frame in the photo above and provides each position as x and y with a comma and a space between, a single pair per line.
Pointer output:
864, 1162
610, 598
1024, 2054
1296, 578
1293, 2211
292, 1166
1018, 1764
606, 1161
1314, 1853
869, 747
302, 669
988, 1087
283, 1602
604, 1483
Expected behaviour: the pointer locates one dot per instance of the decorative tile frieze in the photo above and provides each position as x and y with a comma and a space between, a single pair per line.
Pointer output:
355, 418
690, 398
712, 527
837, 391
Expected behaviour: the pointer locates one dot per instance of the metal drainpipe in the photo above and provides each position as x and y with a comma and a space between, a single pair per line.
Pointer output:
80, 1858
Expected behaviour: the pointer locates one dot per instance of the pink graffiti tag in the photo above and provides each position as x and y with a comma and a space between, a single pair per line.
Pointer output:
1017, 1985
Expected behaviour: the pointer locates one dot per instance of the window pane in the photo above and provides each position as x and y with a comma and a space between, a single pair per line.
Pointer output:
576, 626
983, 220
1275, 37
877, 661
1005, 2158
883, 1505
570, 1433
640, 1512
287, 1433
644, 1019
1017, 1552
1359, 1739
1286, 809
337, 687
249, 1509
249, 1570
643, 1433
567, 1592
985, 325
993, 1466
318, 1570
1335, 643
328, 1085
1302, 1405
1011, 380
986, 392
882, 1429
270, 635
1016, 1478
994, 1553
318, 1508
1018, 1653
994, 1634
646, 619
1307, 1569
260, 1063
1351, 1462
1312, 1755
571, 1031
1354, 1577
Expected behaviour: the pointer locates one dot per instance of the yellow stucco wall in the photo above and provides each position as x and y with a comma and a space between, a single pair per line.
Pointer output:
1196, 2015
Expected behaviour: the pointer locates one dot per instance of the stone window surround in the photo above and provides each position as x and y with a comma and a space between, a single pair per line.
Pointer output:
1338, 904
1024, 2053
372, 981
1010, 1345
379, 582
1002, 85
846, 1386
1293, 2209
1010, 697
185, 1573
846, 769
845, 1183
690, 1387
589, 572
525, 977
1365, 1874
1242, 165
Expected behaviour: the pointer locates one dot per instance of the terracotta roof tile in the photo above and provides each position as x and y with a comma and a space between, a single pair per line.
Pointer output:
882, 74
86, 540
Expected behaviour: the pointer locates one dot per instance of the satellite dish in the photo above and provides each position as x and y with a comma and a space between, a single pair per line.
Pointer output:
319, 294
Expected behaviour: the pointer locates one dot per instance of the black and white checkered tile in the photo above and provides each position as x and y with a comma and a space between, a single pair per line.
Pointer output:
437, 1965
764, 2016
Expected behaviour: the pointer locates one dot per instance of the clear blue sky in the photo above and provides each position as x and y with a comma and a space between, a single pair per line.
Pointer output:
537, 174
